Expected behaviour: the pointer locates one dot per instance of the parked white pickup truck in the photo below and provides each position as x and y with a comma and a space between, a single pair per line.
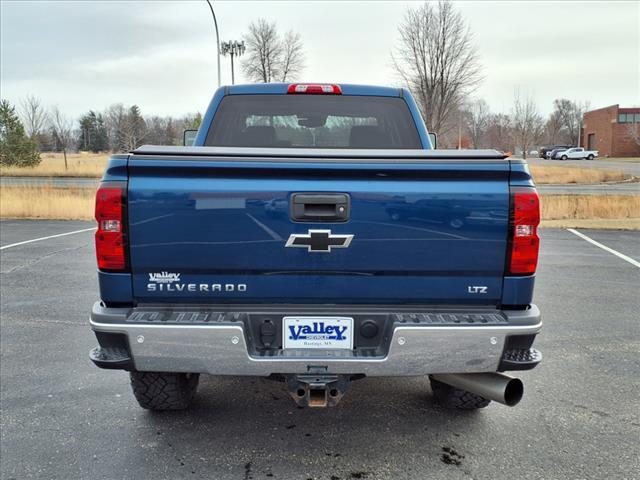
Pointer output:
578, 152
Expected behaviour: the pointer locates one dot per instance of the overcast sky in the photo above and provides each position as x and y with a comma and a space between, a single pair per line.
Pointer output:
85, 55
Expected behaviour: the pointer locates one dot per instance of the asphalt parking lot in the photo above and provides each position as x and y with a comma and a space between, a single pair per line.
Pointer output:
62, 418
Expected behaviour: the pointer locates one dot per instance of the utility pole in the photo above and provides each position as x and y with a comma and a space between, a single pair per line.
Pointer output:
234, 49
215, 23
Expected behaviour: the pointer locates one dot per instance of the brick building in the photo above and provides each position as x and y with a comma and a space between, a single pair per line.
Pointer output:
613, 131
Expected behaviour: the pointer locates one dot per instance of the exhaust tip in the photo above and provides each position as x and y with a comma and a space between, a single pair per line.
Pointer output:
513, 392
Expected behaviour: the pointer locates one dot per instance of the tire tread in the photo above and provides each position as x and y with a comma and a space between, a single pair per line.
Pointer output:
164, 391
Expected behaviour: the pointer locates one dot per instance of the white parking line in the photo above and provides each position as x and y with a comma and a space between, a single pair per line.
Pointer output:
604, 247
46, 238
273, 234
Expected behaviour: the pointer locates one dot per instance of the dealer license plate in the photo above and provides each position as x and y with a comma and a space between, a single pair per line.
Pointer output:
317, 332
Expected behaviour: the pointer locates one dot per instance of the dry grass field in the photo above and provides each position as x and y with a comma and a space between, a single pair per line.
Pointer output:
52, 165
545, 174
46, 201
562, 207
75, 203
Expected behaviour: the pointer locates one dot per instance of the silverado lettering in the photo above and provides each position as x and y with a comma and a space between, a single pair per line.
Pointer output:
193, 287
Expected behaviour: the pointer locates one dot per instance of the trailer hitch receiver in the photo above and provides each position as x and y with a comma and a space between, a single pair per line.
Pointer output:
317, 391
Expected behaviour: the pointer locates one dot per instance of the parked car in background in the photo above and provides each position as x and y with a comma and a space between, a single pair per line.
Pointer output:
576, 153
553, 153
533, 153
544, 151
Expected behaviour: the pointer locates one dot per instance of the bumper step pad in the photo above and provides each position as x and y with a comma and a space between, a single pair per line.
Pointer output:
520, 359
111, 357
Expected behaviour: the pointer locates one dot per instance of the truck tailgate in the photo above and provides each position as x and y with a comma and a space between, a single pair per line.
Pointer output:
214, 228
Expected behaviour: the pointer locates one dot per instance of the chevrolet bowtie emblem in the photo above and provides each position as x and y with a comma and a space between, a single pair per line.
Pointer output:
319, 241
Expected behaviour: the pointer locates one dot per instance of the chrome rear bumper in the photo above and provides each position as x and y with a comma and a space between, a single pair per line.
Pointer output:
221, 348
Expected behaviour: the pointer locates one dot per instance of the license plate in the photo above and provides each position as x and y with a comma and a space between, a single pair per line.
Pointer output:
317, 332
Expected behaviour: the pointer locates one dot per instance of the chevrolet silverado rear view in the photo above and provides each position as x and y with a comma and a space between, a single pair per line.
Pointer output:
313, 235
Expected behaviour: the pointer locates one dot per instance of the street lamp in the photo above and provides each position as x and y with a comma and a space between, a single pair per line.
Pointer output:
215, 23
234, 48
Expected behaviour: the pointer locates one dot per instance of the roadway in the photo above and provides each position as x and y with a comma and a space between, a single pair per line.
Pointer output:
63, 418
56, 181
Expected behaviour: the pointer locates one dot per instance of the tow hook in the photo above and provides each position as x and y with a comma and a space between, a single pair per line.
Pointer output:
317, 391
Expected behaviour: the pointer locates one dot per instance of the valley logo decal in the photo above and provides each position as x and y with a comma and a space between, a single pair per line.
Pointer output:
164, 277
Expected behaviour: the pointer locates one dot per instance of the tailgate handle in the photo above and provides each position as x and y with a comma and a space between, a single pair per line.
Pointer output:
320, 207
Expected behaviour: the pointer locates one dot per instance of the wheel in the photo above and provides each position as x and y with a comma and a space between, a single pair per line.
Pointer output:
564, 157
451, 397
164, 391
395, 216
590, 157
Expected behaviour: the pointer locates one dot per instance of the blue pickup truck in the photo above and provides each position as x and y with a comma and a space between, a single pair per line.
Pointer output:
311, 234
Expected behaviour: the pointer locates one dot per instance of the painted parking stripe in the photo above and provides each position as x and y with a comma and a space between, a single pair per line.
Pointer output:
604, 247
46, 238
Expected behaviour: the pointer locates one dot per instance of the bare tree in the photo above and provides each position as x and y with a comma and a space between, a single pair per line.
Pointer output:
115, 119
263, 48
499, 132
270, 58
477, 117
62, 127
554, 129
292, 62
570, 113
527, 123
437, 61
34, 116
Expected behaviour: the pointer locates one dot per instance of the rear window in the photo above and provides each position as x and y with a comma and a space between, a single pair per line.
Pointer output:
313, 121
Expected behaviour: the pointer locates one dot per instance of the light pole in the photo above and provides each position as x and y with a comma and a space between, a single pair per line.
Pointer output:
234, 48
215, 23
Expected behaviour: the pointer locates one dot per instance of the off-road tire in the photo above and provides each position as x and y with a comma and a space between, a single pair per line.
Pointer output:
164, 391
451, 397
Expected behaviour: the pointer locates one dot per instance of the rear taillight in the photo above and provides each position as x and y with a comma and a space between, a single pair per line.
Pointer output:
111, 235
524, 240
315, 89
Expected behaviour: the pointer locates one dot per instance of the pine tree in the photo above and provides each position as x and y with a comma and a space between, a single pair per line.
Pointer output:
192, 122
93, 133
15, 147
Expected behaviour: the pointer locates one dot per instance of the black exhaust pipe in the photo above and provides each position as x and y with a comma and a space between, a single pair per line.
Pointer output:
492, 386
